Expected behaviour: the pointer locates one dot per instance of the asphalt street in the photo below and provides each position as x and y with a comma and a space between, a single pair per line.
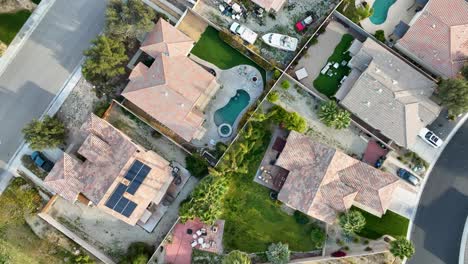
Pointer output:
443, 206
43, 64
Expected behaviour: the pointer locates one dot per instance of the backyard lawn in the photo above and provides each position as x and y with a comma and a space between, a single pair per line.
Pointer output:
328, 85
253, 219
10, 24
212, 48
391, 224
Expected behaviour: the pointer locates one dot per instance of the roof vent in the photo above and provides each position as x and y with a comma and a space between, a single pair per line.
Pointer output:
166, 93
433, 26
395, 82
182, 105
366, 103
377, 70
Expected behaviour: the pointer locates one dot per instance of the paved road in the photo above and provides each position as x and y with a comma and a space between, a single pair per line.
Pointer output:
43, 65
444, 206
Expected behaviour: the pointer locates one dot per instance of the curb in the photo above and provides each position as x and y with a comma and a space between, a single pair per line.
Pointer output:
25, 32
51, 109
429, 170
463, 244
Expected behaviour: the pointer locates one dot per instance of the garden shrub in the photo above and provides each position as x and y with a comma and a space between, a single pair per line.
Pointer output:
318, 236
285, 84
273, 97
301, 218
138, 253
197, 165
380, 35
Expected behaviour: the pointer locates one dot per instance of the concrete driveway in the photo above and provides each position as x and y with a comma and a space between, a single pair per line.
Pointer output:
42, 65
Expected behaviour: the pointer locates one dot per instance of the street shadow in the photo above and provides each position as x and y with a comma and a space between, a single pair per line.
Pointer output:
68, 28
442, 222
16, 110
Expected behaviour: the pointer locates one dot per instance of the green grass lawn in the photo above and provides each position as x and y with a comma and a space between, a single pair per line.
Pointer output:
253, 220
212, 48
390, 224
329, 85
10, 24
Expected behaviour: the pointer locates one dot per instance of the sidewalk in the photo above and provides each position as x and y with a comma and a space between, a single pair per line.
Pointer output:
24, 33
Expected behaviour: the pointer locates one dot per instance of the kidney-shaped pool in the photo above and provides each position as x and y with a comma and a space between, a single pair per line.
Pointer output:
229, 113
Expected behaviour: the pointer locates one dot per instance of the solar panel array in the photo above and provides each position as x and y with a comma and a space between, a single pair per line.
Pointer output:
136, 175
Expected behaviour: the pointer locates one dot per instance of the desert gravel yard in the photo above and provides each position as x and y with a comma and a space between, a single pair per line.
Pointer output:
145, 135
298, 100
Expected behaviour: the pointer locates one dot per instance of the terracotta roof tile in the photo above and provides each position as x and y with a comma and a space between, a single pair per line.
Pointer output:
165, 38
323, 182
439, 36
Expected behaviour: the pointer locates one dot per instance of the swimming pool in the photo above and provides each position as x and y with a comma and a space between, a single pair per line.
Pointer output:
381, 8
229, 113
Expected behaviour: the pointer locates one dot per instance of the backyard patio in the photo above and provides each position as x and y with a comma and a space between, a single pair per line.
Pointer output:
334, 71
192, 235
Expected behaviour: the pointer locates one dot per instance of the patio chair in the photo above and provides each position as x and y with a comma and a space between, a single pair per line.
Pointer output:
199, 232
203, 230
194, 243
194, 236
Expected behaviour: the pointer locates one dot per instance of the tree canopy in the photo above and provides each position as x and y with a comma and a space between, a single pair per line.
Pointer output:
464, 71
206, 200
236, 257
105, 60
454, 95
318, 236
290, 120
128, 19
352, 222
278, 253
197, 165
334, 116
48, 133
138, 253
402, 248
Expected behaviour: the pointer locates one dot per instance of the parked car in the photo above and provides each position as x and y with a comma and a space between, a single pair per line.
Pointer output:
378, 164
338, 254
430, 138
244, 32
407, 176
41, 161
304, 23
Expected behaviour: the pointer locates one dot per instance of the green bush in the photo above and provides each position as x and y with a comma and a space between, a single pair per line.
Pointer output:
46, 133
138, 253
289, 120
197, 165
100, 108
352, 222
18, 201
402, 248
276, 74
301, 218
273, 97
237, 257
278, 253
285, 84
380, 35
334, 116
318, 236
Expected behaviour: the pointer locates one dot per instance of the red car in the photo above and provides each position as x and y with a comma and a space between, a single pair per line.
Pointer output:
303, 24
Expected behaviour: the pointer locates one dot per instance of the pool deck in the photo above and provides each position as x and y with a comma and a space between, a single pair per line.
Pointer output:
231, 80
401, 10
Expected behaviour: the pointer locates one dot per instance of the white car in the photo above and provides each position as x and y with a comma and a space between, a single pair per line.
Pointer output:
244, 32
430, 138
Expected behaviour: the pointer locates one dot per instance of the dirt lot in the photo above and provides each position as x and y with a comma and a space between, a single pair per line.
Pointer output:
77, 107
298, 100
283, 22
192, 25
145, 135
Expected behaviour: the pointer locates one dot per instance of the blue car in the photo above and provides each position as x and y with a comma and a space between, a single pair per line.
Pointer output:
41, 161
407, 176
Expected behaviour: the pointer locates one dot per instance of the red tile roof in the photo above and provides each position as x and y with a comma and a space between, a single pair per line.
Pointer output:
323, 181
172, 87
439, 36
165, 38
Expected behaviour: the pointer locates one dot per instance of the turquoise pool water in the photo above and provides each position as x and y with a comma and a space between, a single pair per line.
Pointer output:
381, 8
228, 113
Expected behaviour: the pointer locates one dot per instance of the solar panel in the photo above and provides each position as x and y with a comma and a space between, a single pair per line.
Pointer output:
115, 197
138, 180
133, 171
136, 175
129, 209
